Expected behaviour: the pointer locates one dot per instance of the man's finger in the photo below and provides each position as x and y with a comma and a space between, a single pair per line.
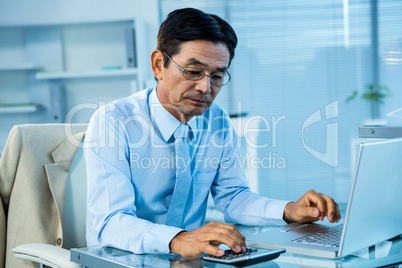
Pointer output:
223, 237
331, 207
318, 201
338, 213
231, 232
212, 250
230, 228
309, 214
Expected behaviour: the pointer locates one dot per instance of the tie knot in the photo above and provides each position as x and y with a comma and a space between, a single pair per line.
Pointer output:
181, 131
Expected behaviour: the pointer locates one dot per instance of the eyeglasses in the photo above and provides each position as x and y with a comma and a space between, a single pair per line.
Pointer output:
193, 73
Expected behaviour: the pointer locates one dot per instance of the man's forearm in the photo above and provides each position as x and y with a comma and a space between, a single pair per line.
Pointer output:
127, 232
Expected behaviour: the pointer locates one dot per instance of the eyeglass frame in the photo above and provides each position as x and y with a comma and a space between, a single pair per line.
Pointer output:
203, 72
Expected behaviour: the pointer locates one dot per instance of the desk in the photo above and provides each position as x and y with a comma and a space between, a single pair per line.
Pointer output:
384, 254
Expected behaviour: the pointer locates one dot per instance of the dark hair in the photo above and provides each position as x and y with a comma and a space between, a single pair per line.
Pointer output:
189, 24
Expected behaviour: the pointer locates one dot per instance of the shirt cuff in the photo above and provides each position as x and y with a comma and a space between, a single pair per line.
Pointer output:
139, 236
276, 210
160, 235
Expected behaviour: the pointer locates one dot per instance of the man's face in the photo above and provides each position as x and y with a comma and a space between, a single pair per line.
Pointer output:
185, 98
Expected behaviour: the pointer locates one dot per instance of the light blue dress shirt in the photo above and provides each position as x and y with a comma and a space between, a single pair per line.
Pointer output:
129, 151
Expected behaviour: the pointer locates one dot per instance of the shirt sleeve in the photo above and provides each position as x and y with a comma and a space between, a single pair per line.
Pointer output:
111, 211
231, 193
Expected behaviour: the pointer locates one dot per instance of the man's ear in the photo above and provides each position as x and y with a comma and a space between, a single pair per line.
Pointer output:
157, 64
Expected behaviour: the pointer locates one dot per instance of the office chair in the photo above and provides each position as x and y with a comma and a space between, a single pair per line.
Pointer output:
73, 225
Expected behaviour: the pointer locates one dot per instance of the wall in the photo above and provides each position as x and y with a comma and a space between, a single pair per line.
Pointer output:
47, 11
25, 12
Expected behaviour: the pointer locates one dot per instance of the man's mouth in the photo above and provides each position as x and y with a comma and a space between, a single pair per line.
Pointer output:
198, 101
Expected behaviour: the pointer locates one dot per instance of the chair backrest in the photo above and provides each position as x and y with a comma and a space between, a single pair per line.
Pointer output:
75, 203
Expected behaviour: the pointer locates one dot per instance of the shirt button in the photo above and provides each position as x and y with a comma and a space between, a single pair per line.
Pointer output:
156, 251
58, 241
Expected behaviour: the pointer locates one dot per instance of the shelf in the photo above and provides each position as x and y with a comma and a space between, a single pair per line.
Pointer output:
20, 67
70, 20
18, 108
387, 132
86, 74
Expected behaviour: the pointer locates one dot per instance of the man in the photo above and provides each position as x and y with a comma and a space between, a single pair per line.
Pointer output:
153, 157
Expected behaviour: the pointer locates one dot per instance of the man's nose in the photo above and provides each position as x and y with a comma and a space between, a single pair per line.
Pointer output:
204, 84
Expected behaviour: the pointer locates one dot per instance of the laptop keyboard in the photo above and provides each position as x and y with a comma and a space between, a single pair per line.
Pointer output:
328, 238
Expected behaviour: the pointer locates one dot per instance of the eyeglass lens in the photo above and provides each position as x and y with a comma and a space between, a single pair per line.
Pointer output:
217, 79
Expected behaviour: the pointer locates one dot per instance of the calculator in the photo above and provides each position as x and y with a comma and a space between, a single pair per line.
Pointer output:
241, 259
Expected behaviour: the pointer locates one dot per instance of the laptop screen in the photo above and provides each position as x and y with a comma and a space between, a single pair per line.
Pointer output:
374, 212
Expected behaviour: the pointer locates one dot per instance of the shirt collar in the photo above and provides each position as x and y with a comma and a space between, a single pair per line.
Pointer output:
164, 121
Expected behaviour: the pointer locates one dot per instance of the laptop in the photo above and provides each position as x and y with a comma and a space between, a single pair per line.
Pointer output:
373, 214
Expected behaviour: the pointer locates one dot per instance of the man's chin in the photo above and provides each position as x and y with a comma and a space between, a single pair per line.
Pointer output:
199, 111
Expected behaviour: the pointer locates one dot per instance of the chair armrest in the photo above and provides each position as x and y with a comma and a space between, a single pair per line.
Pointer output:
46, 254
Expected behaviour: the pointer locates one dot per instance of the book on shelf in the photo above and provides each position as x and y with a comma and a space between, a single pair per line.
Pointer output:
130, 48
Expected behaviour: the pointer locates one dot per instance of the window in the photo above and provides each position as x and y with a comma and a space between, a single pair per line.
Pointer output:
295, 65
390, 53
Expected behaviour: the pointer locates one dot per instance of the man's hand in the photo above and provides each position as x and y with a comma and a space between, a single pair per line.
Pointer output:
312, 207
207, 239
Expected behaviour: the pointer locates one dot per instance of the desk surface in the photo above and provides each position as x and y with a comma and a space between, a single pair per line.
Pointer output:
384, 254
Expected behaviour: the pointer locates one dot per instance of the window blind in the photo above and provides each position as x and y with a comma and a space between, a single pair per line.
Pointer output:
297, 60
390, 53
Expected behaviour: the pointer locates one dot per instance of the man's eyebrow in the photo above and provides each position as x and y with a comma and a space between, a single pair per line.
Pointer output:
194, 61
